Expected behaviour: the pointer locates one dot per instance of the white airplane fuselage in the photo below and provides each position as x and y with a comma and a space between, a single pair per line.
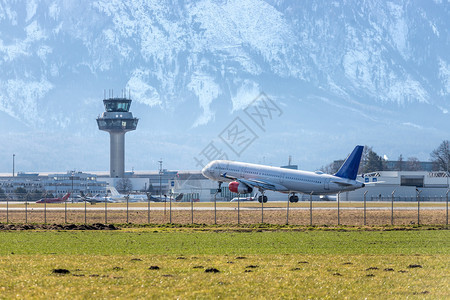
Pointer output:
279, 179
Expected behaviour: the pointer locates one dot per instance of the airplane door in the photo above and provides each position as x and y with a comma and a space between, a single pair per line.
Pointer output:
326, 184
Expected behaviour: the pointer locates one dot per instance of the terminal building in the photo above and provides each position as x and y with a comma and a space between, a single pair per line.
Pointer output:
406, 185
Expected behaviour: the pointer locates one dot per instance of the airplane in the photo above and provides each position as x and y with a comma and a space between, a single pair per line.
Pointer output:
164, 199
116, 196
95, 199
243, 178
54, 200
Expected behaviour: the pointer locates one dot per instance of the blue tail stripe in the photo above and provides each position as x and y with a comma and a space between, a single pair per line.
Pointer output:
349, 168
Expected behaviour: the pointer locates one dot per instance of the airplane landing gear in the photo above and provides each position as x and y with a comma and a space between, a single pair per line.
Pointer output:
293, 198
262, 199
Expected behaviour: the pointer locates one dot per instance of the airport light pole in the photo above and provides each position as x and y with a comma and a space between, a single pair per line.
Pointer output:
13, 163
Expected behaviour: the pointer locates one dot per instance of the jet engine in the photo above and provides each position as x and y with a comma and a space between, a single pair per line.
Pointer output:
239, 188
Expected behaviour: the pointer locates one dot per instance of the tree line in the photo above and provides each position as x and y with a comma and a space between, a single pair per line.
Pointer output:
372, 162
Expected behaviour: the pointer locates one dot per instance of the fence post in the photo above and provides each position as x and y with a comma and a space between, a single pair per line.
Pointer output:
365, 193
287, 210
338, 200
26, 208
392, 207
106, 209
192, 210
239, 210
215, 209
418, 206
310, 208
65, 209
447, 205
170, 208
85, 211
148, 207
7, 209
262, 207
128, 198
45, 211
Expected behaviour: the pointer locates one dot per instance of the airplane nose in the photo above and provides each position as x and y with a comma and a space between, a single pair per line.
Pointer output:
206, 170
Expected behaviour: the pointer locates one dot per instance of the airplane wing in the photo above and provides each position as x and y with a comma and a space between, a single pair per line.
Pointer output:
265, 185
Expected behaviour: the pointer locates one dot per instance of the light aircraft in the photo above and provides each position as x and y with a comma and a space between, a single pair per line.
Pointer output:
164, 198
116, 196
95, 199
245, 177
54, 200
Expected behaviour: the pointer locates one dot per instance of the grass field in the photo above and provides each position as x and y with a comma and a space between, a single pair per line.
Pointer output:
290, 262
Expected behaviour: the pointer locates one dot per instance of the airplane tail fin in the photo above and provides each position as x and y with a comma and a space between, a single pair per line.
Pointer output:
66, 196
349, 168
179, 197
113, 191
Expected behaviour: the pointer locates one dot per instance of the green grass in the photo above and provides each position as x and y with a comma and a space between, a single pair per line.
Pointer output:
166, 241
288, 264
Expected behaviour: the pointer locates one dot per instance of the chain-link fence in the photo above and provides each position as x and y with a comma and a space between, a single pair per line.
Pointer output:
391, 210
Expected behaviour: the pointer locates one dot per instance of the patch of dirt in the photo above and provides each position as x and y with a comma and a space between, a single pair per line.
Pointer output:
371, 268
388, 270
421, 293
153, 268
252, 266
60, 271
413, 266
241, 257
212, 270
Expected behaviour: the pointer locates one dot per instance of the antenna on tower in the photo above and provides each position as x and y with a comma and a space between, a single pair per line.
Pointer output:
290, 160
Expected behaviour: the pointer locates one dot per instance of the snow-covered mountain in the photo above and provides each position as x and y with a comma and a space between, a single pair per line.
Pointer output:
339, 72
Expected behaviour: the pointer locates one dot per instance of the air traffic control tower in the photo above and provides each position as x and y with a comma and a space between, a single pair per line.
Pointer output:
117, 120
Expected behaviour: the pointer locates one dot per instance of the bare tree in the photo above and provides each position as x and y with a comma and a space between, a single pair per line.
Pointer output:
413, 164
441, 156
399, 166
124, 185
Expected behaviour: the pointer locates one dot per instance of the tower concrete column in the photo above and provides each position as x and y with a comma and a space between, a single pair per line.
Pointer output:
117, 154
117, 120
